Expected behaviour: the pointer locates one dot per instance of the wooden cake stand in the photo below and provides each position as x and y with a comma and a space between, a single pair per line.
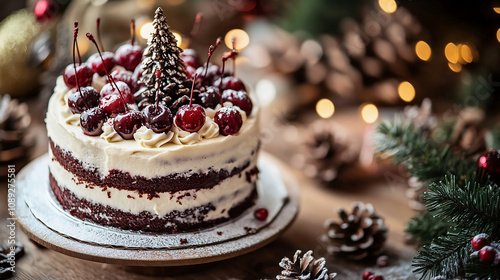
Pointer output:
41, 218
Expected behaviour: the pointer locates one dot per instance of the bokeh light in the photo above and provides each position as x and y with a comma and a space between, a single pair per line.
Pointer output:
466, 53
146, 30
498, 34
451, 53
325, 108
178, 37
423, 50
455, 67
369, 113
266, 91
406, 91
388, 6
242, 39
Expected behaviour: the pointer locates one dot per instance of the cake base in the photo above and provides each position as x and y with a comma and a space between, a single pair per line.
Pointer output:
132, 249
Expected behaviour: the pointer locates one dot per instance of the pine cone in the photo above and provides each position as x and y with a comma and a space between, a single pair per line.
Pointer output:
324, 151
469, 136
14, 122
358, 235
305, 268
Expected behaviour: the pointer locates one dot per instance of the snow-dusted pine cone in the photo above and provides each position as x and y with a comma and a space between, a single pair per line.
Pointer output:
357, 235
304, 268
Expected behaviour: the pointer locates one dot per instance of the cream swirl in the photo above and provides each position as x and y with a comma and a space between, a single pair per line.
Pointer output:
182, 137
210, 129
149, 139
109, 134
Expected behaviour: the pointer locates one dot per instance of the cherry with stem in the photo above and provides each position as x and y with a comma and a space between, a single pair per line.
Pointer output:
75, 46
111, 80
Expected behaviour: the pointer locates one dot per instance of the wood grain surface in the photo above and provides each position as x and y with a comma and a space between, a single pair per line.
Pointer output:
383, 187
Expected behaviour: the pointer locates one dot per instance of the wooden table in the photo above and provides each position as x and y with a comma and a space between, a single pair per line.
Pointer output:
317, 205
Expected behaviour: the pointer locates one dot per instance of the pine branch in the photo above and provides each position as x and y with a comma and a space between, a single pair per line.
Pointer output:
473, 206
480, 270
425, 227
447, 255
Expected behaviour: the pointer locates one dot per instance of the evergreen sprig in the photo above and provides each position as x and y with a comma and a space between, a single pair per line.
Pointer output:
473, 206
425, 227
447, 256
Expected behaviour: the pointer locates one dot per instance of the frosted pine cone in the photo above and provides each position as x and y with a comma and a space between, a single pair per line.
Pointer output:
304, 268
358, 235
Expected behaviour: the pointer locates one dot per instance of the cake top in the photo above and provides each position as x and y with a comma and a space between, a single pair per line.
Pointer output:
161, 92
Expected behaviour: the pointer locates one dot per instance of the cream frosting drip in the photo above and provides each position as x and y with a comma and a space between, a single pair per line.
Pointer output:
148, 138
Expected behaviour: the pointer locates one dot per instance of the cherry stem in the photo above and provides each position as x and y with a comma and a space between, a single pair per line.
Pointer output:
233, 41
221, 78
211, 50
77, 49
132, 29
98, 27
192, 89
111, 80
75, 45
196, 28
158, 75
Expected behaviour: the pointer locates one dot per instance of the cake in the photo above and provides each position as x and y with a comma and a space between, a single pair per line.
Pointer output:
165, 145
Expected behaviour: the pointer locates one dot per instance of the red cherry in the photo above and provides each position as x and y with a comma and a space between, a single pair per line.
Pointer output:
487, 254
108, 59
109, 89
158, 118
92, 120
126, 124
231, 82
190, 71
83, 99
209, 97
261, 214
229, 120
238, 98
129, 56
111, 104
190, 118
367, 274
138, 74
480, 240
125, 77
211, 75
84, 73
191, 58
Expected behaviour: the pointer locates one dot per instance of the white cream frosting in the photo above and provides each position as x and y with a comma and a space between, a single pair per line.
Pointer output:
223, 197
148, 155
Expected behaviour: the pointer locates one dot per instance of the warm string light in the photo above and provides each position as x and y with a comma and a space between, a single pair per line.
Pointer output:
388, 6
498, 35
423, 50
242, 39
406, 91
496, 9
369, 113
146, 30
325, 108
459, 55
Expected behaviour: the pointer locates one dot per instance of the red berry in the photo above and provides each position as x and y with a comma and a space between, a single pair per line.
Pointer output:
367, 274
213, 73
229, 120
109, 89
126, 124
489, 162
92, 120
128, 56
487, 254
480, 240
83, 99
383, 261
261, 214
209, 97
112, 104
231, 82
138, 74
84, 73
238, 98
159, 119
191, 58
190, 118
108, 59
125, 77
45, 10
